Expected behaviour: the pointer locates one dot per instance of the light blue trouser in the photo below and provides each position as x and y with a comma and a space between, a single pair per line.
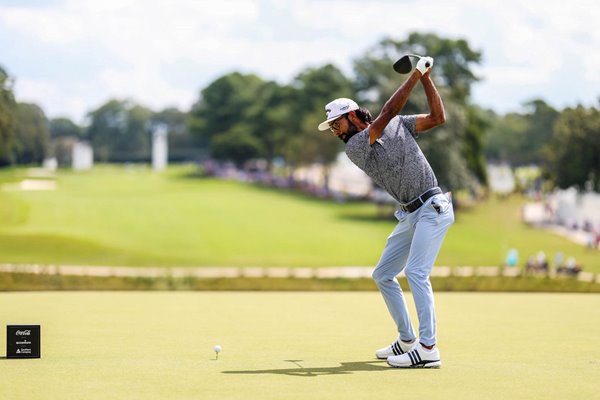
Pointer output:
413, 246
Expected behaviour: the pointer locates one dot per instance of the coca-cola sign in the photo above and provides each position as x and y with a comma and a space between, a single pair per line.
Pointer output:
23, 341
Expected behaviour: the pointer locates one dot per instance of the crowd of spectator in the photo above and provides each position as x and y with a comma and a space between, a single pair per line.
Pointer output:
539, 265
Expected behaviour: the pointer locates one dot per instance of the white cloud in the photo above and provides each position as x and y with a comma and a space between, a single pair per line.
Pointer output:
156, 95
57, 100
525, 44
50, 26
28, 90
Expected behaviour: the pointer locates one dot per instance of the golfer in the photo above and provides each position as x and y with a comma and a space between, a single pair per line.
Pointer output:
386, 149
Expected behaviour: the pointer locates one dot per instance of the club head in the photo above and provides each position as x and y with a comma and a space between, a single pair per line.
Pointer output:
404, 64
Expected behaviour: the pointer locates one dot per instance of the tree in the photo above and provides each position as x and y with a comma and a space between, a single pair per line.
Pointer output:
119, 132
7, 110
316, 87
223, 104
474, 142
64, 127
503, 141
454, 60
268, 119
313, 89
518, 138
236, 145
272, 119
32, 134
223, 111
574, 151
542, 118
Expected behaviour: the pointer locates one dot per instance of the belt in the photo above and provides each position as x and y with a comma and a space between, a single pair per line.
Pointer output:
419, 201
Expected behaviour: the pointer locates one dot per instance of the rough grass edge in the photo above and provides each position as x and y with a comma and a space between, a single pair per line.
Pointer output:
56, 282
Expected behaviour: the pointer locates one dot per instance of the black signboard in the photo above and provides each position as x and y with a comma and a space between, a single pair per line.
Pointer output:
23, 341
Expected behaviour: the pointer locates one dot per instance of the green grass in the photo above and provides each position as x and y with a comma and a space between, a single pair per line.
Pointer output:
132, 216
487, 232
11, 282
298, 346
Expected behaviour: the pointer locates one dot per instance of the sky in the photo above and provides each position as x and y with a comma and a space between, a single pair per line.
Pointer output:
71, 56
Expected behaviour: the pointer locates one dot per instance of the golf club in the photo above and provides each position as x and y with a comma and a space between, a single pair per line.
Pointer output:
404, 64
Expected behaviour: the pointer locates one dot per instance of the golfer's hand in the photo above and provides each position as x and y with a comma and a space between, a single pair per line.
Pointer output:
424, 65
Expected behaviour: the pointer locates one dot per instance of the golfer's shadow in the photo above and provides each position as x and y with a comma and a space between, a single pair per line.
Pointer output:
343, 368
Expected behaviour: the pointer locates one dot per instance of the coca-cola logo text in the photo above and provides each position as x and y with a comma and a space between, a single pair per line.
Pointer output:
23, 333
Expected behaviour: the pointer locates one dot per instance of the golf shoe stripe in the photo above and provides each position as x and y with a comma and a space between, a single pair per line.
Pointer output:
412, 358
418, 356
415, 358
396, 348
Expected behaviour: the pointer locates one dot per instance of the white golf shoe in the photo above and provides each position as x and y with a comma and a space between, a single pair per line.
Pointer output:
419, 357
395, 349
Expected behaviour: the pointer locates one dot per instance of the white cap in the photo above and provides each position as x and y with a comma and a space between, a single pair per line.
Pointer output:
336, 108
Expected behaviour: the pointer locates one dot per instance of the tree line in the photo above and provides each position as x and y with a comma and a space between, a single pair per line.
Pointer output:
242, 117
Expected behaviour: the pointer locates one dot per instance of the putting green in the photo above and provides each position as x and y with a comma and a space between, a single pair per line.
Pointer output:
159, 345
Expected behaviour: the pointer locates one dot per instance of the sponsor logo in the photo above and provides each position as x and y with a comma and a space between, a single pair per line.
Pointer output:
23, 333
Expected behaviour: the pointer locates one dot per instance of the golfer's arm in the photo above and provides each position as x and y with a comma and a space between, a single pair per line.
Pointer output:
437, 114
393, 106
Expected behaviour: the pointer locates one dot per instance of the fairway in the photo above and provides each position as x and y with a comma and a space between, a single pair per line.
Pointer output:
130, 216
134, 217
297, 346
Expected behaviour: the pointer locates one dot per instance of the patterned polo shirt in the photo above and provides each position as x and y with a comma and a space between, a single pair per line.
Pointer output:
395, 162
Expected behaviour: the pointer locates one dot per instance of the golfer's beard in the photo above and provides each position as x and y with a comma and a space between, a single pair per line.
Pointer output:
352, 130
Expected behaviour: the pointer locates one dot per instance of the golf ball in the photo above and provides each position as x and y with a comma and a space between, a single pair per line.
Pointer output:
217, 349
